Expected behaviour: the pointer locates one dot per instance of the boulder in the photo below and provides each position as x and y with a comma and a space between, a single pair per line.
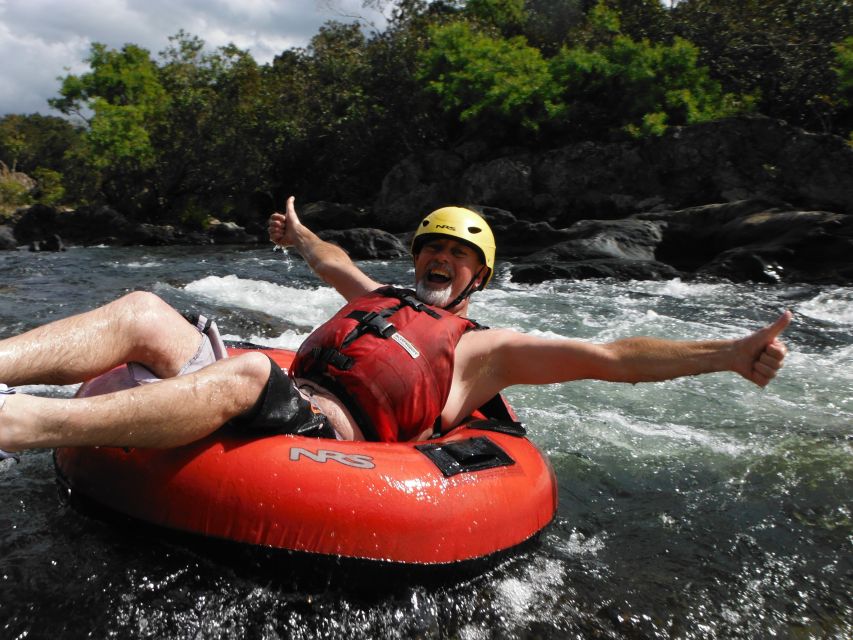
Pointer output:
627, 239
801, 246
416, 186
596, 268
90, 225
320, 216
366, 244
51, 243
7, 239
505, 182
230, 233
757, 240
36, 223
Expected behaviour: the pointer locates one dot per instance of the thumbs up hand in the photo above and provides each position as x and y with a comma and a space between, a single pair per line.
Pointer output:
282, 226
759, 356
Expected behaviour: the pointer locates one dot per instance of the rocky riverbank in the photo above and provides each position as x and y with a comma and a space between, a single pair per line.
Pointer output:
747, 199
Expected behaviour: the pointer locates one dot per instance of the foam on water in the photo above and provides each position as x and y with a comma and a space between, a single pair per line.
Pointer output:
834, 306
305, 306
518, 597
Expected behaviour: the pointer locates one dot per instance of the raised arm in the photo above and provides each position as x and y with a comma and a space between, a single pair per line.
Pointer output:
488, 361
328, 261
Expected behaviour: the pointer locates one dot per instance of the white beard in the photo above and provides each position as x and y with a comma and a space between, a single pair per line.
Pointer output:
434, 297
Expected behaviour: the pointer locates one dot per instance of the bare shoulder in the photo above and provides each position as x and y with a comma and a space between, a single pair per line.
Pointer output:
484, 352
486, 341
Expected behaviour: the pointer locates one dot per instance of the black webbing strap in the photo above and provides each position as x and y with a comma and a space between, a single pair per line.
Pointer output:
331, 356
436, 427
376, 322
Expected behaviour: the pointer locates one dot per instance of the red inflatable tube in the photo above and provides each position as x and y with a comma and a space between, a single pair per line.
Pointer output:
470, 494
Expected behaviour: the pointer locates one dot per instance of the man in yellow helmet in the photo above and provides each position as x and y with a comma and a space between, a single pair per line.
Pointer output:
453, 252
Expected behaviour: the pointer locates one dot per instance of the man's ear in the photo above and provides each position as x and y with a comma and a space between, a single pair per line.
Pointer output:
482, 276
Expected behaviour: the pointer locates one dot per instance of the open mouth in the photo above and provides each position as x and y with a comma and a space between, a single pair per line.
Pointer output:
438, 276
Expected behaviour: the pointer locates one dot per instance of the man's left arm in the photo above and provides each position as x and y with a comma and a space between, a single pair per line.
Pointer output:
521, 359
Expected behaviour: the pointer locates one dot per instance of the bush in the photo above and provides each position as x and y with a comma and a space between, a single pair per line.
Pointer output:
50, 190
13, 194
487, 81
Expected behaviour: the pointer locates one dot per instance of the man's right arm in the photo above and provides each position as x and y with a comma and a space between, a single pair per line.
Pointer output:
328, 261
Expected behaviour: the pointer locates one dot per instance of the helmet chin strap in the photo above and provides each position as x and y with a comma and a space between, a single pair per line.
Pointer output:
467, 291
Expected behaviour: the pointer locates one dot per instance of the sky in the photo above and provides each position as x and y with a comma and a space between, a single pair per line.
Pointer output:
43, 40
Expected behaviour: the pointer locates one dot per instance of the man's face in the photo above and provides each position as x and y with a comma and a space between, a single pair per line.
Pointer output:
443, 268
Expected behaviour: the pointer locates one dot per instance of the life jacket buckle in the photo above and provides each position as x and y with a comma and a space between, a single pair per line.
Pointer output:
378, 324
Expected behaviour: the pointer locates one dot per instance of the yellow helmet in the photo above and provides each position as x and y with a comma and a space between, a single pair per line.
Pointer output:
462, 224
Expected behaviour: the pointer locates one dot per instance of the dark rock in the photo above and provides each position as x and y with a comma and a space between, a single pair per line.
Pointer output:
756, 240
152, 235
741, 265
320, 216
505, 182
230, 233
803, 246
416, 186
87, 225
691, 237
743, 158
604, 239
95, 225
7, 239
36, 223
53, 243
366, 244
599, 268
593, 181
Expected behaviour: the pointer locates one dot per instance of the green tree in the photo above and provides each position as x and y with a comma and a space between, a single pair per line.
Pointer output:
31, 141
637, 86
212, 141
493, 83
508, 17
121, 99
780, 50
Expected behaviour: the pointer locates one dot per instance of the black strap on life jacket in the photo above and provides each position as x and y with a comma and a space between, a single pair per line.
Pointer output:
326, 356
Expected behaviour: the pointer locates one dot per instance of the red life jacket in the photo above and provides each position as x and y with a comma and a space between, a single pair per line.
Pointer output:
389, 358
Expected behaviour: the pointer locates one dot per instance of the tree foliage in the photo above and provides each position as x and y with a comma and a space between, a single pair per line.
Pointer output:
638, 86
493, 82
780, 50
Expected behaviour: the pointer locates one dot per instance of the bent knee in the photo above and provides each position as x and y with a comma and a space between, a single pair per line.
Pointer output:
141, 302
155, 333
253, 369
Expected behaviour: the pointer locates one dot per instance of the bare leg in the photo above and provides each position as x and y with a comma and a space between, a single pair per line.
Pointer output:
138, 327
163, 414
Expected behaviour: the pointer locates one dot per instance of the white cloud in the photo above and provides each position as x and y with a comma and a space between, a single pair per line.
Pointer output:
42, 40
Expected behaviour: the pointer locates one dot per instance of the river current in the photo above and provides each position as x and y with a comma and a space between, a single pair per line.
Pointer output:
697, 508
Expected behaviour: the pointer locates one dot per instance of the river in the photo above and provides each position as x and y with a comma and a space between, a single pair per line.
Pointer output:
697, 508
